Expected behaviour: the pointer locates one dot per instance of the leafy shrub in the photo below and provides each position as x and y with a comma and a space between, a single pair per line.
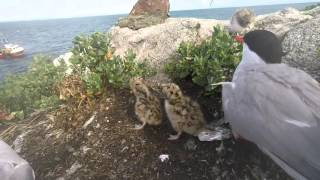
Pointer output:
319, 52
94, 61
307, 8
209, 62
33, 89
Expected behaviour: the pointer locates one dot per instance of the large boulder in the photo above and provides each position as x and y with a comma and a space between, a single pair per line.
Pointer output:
151, 7
158, 43
146, 13
302, 43
281, 22
313, 12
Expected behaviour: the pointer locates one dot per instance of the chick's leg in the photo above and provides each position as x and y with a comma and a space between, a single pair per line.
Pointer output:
175, 137
140, 127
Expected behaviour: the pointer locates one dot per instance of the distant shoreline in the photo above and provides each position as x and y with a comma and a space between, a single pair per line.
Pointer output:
171, 12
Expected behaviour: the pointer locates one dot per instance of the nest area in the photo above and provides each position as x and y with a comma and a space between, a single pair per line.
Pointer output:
96, 141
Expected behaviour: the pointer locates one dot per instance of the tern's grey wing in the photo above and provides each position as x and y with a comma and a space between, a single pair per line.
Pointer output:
13, 167
277, 107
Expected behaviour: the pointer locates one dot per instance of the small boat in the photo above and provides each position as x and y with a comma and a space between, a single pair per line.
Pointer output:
13, 50
2, 56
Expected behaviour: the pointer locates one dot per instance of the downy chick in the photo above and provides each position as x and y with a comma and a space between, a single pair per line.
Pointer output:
147, 106
184, 114
241, 20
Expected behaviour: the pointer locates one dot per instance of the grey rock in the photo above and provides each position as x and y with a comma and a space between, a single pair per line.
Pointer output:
141, 21
313, 12
281, 22
302, 43
158, 43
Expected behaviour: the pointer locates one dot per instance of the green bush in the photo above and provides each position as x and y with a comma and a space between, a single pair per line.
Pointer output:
307, 8
93, 59
209, 62
33, 89
319, 52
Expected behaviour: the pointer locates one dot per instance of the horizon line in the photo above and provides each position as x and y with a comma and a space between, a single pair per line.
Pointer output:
124, 14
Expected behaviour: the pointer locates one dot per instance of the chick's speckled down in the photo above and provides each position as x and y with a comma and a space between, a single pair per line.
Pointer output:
184, 114
147, 106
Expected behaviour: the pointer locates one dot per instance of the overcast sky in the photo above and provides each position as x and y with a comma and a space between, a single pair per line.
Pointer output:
12, 10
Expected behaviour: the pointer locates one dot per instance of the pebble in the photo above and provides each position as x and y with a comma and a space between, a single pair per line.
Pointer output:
190, 145
164, 157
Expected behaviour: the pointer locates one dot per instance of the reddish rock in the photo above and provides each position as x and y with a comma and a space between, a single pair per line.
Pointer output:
151, 7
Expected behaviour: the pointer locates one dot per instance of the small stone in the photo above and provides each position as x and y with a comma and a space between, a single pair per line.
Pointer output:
221, 148
70, 149
98, 126
84, 149
190, 145
123, 141
125, 148
164, 157
75, 166
224, 174
216, 170
92, 118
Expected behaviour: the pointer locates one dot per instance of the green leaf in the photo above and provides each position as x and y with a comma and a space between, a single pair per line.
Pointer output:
209, 62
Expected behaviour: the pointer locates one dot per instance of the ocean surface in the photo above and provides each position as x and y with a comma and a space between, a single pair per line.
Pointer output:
54, 37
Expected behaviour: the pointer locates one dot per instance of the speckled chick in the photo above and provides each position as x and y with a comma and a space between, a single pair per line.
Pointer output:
241, 20
147, 106
184, 114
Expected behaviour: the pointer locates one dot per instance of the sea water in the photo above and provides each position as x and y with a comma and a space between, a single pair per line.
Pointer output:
54, 37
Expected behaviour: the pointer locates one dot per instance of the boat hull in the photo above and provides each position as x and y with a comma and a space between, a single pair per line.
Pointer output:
11, 51
16, 54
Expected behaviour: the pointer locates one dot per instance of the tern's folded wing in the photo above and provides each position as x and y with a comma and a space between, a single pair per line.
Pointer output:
277, 107
13, 167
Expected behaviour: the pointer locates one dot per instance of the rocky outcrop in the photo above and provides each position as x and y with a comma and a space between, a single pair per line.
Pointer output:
151, 7
281, 22
302, 43
313, 12
158, 43
146, 13
141, 21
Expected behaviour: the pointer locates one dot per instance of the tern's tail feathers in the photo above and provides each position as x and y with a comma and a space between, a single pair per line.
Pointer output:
23, 172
